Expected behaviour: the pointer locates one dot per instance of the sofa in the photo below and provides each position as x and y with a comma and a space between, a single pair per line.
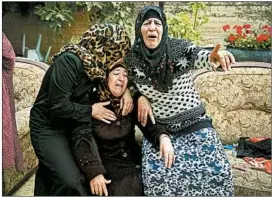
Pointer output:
27, 78
239, 101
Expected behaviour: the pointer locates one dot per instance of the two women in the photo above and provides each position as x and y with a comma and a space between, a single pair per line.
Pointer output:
63, 104
71, 104
108, 154
162, 70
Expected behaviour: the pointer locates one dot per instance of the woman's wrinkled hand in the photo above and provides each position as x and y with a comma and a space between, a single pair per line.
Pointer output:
166, 151
99, 112
144, 110
221, 58
98, 185
126, 103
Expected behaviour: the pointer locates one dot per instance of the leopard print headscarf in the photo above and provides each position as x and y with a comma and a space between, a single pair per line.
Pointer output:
100, 46
100, 49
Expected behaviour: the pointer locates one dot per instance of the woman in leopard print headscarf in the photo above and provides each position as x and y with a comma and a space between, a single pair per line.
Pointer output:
63, 103
100, 46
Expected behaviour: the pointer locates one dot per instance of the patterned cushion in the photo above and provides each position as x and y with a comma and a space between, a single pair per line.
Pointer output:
22, 122
13, 179
26, 81
239, 101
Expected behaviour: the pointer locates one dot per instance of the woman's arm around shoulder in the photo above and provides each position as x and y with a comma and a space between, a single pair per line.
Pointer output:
65, 75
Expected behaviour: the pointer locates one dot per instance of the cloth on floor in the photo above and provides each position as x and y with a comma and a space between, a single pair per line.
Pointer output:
259, 163
257, 139
254, 147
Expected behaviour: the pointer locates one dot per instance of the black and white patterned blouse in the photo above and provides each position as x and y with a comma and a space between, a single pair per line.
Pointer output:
181, 105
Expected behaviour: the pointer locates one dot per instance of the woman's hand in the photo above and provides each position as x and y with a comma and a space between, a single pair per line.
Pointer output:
166, 150
99, 112
98, 185
126, 103
144, 110
223, 58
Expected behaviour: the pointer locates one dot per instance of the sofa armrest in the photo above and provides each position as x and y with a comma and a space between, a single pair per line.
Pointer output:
27, 78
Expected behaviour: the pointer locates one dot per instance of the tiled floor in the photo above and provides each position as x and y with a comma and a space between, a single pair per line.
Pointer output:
27, 189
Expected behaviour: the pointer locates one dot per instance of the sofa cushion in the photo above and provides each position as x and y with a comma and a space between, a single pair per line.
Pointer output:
27, 79
22, 122
239, 101
13, 179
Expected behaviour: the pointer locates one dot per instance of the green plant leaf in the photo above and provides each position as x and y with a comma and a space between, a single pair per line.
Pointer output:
48, 16
59, 24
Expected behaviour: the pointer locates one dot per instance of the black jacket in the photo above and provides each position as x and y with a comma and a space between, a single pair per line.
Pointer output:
63, 99
98, 146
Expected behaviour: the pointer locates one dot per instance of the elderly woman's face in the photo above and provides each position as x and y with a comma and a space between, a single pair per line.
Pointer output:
117, 81
152, 31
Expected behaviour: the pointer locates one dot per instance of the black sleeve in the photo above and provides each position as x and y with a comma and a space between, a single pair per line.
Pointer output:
135, 93
86, 153
64, 76
151, 131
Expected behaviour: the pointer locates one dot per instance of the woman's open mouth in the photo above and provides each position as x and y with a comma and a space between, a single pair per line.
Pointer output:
152, 37
119, 85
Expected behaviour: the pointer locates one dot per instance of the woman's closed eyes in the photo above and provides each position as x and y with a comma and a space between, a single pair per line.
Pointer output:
149, 22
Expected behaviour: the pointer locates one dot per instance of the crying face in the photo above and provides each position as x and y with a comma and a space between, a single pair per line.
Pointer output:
117, 81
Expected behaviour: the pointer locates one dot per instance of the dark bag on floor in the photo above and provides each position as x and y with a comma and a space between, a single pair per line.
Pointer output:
247, 148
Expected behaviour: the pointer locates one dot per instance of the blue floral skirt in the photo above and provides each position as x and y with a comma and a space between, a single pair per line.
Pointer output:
201, 167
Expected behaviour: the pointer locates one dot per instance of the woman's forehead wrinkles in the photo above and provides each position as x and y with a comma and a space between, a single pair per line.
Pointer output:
152, 19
